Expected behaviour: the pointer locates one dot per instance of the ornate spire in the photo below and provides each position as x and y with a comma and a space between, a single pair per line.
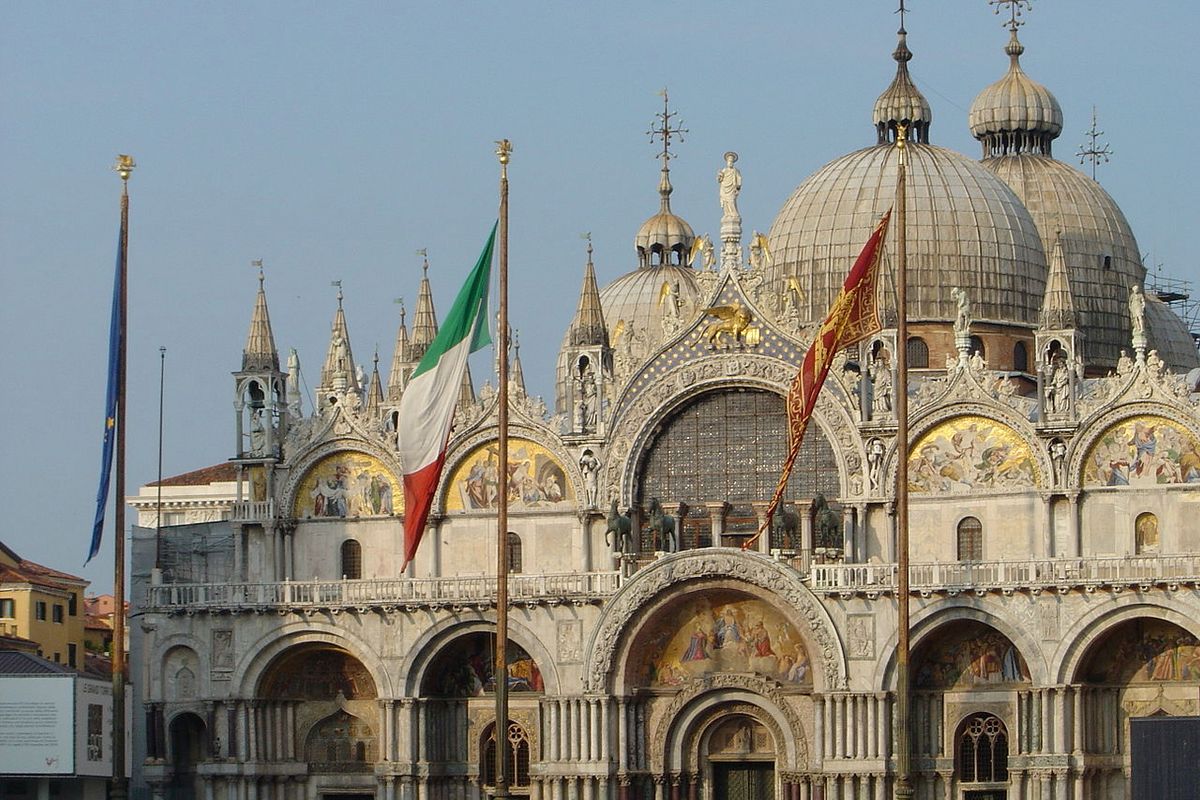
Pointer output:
902, 102
425, 325
588, 327
259, 352
401, 360
466, 393
516, 378
1058, 304
375, 390
664, 238
1093, 151
338, 372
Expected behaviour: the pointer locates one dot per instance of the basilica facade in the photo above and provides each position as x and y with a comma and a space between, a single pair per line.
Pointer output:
279, 652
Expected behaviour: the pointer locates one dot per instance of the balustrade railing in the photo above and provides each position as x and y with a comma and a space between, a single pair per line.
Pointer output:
956, 576
253, 510
455, 590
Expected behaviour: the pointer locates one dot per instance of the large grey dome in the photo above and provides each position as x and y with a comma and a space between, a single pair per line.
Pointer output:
965, 228
1169, 335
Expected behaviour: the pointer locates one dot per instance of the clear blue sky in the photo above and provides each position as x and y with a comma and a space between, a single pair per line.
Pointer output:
333, 140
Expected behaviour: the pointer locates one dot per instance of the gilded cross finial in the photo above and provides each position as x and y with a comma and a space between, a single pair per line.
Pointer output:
664, 130
1094, 151
1014, 10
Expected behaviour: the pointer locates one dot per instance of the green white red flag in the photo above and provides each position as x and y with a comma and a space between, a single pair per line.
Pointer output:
427, 406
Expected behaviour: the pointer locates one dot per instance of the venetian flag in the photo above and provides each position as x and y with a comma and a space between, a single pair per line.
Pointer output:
427, 407
115, 354
853, 316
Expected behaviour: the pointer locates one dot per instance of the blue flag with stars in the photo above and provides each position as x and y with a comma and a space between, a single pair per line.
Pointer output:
110, 405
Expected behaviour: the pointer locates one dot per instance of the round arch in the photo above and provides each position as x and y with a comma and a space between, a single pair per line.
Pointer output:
1094, 429
435, 639
158, 657
607, 651
259, 655
313, 458
1078, 640
926, 621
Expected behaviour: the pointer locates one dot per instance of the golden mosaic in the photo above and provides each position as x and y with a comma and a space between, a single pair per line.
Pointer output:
968, 453
1143, 451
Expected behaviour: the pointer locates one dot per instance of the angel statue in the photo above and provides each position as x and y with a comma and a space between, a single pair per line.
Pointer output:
760, 252
702, 246
669, 302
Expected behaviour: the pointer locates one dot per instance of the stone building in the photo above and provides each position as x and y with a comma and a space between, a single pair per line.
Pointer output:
1054, 464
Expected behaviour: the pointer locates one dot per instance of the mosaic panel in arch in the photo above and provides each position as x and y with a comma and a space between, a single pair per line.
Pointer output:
966, 655
1144, 451
533, 479
968, 453
348, 485
722, 631
1145, 651
314, 674
466, 668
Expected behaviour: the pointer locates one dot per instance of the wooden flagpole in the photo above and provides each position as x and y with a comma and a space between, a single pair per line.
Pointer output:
500, 670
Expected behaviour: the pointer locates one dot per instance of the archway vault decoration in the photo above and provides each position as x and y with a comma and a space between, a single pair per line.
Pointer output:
668, 573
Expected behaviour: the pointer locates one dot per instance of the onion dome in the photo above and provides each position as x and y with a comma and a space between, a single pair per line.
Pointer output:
902, 102
965, 226
665, 238
1016, 114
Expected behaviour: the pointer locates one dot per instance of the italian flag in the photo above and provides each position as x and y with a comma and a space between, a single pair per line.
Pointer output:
427, 407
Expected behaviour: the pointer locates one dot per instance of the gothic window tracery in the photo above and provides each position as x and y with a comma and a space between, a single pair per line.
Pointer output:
517, 748
983, 750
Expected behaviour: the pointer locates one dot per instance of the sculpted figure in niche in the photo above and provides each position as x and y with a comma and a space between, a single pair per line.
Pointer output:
1058, 459
1058, 385
875, 451
881, 377
589, 465
729, 179
258, 433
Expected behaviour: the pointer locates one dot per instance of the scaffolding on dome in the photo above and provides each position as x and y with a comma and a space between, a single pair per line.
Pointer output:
1177, 294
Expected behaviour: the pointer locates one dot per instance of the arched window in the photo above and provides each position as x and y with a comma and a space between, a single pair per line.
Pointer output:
970, 539
983, 750
918, 353
517, 745
1020, 357
514, 552
351, 559
1145, 534
977, 347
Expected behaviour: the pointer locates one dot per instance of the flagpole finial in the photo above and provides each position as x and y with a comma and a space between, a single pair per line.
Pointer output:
504, 150
124, 166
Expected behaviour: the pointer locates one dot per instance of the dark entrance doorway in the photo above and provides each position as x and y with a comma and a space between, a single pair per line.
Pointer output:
985, 794
743, 781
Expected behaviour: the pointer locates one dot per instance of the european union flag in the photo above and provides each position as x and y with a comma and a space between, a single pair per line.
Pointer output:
115, 354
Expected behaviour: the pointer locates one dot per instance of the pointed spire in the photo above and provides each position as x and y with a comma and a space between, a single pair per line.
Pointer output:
425, 324
375, 391
588, 327
466, 393
401, 360
338, 372
902, 102
260, 352
1058, 304
516, 377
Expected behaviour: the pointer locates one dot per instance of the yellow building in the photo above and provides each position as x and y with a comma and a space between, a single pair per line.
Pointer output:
43, 605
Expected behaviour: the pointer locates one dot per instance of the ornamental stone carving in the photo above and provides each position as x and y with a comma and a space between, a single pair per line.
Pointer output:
752, 568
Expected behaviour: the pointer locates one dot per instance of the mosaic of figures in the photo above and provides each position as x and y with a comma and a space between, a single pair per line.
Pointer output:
969, 453
721, 631
319, 675
466, 668
533, 479
969, 654
348, 485
1145, 651
1143, 451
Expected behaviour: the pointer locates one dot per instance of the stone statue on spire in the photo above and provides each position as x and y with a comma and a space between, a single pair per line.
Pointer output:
729, 184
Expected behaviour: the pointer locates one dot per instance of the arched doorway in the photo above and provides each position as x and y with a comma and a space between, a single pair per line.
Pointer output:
318, 705
739, 758
189, 747
966, 682
1142, 667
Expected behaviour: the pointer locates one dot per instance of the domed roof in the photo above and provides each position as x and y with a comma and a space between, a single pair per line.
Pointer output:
965, 228
664, 233
1016, 113
1101, 253
1169, 336
632, 300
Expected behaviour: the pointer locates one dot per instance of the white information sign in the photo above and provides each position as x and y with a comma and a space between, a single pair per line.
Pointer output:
37, 724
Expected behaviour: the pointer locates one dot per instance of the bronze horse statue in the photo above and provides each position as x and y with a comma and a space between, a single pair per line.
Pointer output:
621, 527
662, 527
786, 524
828, 524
